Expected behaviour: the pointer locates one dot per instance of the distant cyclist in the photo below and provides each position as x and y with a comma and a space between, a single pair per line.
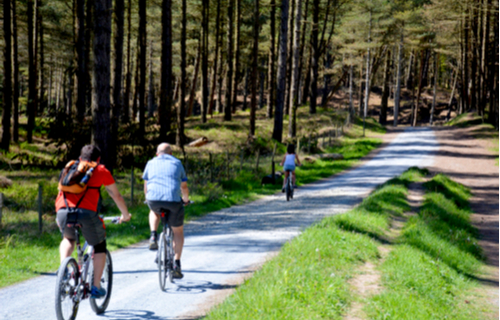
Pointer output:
288, 164
84, 206
165, 187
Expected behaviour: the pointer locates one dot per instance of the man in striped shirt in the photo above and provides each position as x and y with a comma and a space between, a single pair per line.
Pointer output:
165, 187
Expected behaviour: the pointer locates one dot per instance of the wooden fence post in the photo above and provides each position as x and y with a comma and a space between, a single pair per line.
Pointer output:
210, 166
228, 165
40, 207
132, 187
1, 207
241, 158
257, 164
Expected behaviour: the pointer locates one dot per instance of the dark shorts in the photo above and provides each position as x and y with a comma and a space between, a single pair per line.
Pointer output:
92, 226
176, 209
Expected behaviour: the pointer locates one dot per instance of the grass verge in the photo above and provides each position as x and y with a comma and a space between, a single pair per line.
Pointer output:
309, 278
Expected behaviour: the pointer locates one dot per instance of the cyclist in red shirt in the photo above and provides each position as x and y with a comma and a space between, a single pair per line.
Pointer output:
93, 228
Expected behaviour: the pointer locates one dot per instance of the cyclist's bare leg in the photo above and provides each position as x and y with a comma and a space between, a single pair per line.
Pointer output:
99, 262
154, 220
178, 241
66, 248
284, 180
293, 177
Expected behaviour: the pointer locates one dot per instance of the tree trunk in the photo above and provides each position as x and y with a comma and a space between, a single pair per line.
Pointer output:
452, 95
292, 118
42, 101
229, 55
272, 61
136, 85
32, 93
16, 74
314, 58
367, 84
89, 30
419, 89
80, 60
204, 63
192, 95
351, 88
165, 107
360, 90
281, 85
128, 77
151, 87
216, 58
237, 72
142, 69
7, 84
289, 58
435, 85
386, 90
397, 96
182, 105
101, 103
255, 61
302, 94
118, 77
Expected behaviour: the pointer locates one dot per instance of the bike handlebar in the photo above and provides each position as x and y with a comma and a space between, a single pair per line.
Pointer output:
114, 220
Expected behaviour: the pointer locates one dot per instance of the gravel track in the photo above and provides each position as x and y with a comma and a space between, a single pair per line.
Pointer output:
225, 247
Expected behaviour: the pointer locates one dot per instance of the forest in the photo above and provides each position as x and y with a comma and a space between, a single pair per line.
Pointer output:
128, 74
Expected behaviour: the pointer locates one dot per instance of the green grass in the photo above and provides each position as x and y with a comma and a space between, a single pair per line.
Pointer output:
310, 277
24, 253
429, 274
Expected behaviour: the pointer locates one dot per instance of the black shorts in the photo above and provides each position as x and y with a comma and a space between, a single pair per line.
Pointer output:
175, 209
92, 226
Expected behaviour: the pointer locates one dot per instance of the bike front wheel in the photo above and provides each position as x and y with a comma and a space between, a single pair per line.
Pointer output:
66, 290
100, 305
162, 261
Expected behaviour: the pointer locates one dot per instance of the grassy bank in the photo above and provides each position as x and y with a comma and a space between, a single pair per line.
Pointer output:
423, 277
25, 253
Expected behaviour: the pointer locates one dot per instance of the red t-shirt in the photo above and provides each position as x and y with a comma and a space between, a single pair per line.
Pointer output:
101, 176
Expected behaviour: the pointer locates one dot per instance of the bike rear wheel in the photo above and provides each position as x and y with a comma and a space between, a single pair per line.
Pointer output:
170, 255
66, 289
162, 261
100, 305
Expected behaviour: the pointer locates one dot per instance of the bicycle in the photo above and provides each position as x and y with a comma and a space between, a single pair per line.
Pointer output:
289, 186
166, 254
75, 279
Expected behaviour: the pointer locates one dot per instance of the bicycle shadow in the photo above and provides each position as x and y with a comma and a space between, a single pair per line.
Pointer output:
195, 287
138, 315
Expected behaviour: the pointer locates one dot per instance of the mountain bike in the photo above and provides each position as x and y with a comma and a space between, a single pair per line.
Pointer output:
166, 254
289, 186
75, 279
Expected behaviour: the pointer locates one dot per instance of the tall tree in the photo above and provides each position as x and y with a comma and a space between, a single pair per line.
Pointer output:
182, 105
237, 49
142, 68
386, 89
15, 55
368, 68
128, 77
165, 107
32, 78
7, 85
292, 127
397, 95
204, 63
81, 71
41, 74
101, 103
229, 56
272, 61
314, 58
281, 85
255, 53
216, 58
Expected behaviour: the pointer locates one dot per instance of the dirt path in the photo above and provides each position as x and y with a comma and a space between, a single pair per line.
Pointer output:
469, 162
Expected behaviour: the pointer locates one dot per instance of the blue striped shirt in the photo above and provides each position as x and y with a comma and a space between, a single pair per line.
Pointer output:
163, 175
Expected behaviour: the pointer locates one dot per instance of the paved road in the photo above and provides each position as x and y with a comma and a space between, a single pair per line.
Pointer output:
226, 246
